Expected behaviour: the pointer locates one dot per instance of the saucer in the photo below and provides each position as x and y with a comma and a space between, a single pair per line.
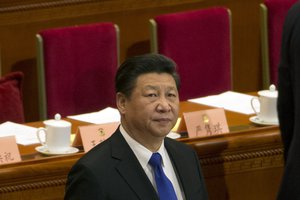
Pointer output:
45, 150
256, 120
173, 135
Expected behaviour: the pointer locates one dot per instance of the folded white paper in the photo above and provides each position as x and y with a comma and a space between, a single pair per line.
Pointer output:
106, 115
232, 101
25, 135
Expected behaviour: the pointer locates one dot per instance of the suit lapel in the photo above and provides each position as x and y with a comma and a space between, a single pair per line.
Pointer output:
130, 169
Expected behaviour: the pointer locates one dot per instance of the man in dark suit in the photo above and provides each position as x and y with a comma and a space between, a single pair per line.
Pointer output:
289, 104
120, 167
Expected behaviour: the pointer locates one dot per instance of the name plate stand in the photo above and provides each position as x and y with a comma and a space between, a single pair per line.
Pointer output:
91, 135
9, 151
206, 122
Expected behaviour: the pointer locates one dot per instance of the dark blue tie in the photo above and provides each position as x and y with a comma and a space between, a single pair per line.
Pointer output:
164, 186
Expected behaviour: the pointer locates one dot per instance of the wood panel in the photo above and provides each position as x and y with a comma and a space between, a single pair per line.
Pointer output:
21, 20
246, 165
236, 166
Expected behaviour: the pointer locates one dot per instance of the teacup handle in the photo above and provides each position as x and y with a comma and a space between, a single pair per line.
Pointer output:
252, 104
39, 130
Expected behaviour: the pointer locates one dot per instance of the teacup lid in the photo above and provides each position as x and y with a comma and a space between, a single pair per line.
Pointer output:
272, 92
57, 121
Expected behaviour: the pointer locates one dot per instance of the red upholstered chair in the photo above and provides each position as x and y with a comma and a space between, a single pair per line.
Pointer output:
76, 67
11, 99
273, 13
199, 41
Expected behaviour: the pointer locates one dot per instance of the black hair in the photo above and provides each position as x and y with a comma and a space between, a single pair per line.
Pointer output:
133, 67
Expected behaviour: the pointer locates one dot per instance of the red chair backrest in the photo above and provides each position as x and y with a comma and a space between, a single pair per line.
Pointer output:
80, 64
277, 11
200, 43
11, 99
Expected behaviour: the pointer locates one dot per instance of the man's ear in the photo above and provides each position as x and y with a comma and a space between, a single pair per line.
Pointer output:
121, 102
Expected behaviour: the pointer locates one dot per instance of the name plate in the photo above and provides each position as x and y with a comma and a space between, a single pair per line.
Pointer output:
9, 151
91, 135
206, 122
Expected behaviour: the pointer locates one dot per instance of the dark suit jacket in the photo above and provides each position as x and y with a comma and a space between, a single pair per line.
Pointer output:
289, 104
111, 171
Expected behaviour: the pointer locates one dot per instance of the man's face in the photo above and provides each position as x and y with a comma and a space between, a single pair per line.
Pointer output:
152, 110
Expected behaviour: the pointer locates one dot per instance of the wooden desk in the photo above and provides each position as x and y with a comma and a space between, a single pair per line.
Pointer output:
245, 164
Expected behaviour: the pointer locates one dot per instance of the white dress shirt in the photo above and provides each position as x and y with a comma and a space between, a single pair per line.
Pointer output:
143, 155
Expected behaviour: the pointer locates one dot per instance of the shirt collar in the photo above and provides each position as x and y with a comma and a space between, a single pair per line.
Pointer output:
142, 153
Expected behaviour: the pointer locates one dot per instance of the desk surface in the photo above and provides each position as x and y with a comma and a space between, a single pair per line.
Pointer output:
247, 148
238, 124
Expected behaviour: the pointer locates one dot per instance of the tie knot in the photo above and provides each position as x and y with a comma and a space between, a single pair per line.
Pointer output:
155, 160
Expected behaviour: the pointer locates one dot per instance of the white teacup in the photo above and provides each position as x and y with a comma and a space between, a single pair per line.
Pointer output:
267, 100
57, 134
